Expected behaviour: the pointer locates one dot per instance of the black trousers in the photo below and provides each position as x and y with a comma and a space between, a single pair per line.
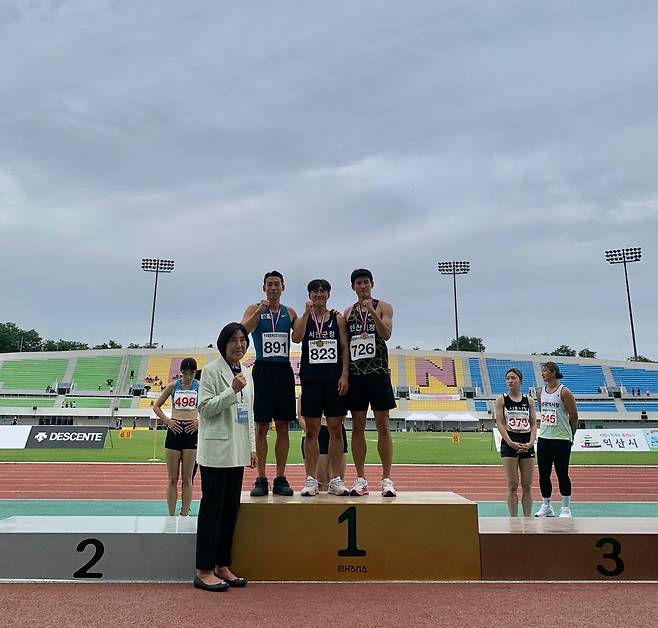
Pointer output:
551, 453
218, 512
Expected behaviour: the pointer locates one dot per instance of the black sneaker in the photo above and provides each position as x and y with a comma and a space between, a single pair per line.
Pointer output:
261, 487
280, 486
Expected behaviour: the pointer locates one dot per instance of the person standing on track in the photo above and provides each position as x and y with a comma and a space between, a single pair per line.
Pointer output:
369, 326
517, 423
226, 446
559, 421
269, 323
181, 439
323, 372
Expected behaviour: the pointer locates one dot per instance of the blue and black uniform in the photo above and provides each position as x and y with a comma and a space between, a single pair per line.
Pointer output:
184, 440
274, 380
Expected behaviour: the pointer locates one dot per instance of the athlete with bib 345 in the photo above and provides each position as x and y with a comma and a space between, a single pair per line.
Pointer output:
559, 421
369, 326
269, 323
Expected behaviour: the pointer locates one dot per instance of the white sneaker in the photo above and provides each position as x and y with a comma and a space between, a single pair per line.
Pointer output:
546, 510
310, 487
565, 513
337, 487
388, 490
360, 487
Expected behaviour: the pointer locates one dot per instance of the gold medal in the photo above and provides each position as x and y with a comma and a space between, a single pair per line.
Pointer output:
364, 335
319, 343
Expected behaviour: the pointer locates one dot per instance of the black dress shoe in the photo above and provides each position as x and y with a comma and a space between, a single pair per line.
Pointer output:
220, 586
236, 583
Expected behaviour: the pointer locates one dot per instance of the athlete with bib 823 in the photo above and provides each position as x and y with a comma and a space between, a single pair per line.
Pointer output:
323, 372
269, 323
369, 326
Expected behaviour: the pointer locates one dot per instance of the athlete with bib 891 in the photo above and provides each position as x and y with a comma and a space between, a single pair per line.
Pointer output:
269, 323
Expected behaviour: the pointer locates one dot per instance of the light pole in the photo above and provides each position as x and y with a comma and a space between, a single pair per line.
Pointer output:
626, 256
454, 269
157, 266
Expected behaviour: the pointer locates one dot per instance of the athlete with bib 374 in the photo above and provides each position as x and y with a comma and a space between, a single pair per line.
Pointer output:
269, 323
369, 326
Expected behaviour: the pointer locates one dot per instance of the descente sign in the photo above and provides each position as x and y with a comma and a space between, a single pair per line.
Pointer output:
42, 437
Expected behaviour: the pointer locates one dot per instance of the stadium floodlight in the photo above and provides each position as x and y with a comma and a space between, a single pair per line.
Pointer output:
454, 269
626, 256
157, 266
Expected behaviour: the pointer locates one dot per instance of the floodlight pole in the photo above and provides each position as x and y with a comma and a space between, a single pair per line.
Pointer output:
454, 292
155, 292
156, 266
630, 309
454, 269
626, 256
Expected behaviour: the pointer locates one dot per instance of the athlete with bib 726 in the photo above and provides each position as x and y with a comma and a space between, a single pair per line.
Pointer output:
369, 326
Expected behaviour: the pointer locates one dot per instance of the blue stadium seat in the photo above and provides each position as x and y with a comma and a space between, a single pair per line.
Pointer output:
476, 376
497, 369
582, 378
636, 378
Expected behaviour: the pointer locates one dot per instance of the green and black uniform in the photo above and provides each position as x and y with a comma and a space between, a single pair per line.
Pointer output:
370, 378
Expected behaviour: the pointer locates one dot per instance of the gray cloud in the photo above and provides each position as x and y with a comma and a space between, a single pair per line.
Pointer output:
240, 137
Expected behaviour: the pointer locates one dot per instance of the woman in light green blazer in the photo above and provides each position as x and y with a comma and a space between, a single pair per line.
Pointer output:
226, 446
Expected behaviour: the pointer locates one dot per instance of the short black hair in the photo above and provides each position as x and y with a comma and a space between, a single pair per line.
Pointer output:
361, 272
516, 372
316, 284
273, 273
188, 364
226, 333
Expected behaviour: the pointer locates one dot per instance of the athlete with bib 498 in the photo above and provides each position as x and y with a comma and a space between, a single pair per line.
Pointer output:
269, 323
369, 326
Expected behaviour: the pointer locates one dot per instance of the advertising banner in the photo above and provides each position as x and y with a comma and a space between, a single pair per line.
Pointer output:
66, 437
14, 436
609, 440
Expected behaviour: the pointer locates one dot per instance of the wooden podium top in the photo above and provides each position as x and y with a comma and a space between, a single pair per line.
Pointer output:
576, 525
421, 497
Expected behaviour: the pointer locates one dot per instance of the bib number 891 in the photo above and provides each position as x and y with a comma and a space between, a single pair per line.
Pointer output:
274, 347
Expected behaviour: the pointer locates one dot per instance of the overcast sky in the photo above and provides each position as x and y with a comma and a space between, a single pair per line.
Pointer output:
317, 137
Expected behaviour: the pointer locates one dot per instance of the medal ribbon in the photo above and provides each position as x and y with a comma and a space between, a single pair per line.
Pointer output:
364, 320
318, 325
272, 319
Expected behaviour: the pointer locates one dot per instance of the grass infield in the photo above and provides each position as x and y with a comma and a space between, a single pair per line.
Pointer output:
409, 448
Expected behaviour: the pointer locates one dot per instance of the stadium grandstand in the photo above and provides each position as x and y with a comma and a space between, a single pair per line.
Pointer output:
437, 390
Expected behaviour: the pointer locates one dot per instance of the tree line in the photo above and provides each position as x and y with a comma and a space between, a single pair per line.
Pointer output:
14, 339
473, 343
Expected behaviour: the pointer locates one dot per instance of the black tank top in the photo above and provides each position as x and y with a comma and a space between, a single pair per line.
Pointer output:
323, 360
355, 327
517, 413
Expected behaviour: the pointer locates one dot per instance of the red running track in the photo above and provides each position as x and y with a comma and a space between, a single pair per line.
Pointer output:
414, 605
148, 481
